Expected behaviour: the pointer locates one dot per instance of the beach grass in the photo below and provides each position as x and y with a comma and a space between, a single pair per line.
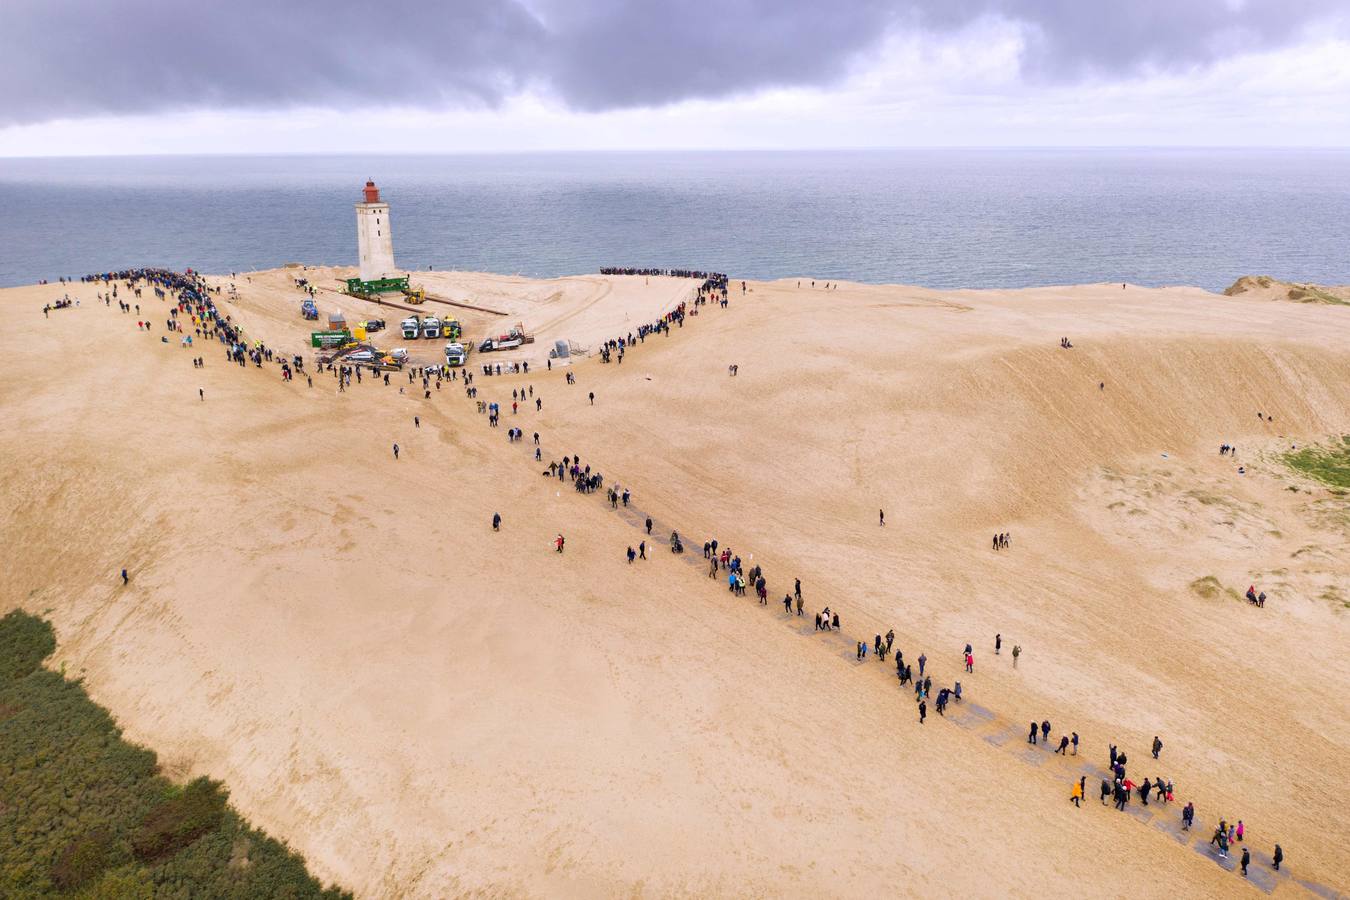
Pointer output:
1329, 464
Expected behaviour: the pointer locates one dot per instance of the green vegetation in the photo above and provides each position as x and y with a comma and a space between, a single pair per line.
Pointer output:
1311, 293
1210, 589
1328, 464
1207, 587
85, 814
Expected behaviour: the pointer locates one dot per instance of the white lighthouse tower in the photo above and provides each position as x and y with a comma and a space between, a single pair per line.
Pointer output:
374, 236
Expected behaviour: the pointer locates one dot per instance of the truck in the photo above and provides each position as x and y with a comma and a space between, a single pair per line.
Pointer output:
412, 327
452, 329
509, 341
431, 327
309, 310
456, 354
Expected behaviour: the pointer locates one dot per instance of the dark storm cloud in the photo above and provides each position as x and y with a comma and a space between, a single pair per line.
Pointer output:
75, 58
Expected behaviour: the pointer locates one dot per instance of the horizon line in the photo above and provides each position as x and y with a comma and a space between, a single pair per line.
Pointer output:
1333, 148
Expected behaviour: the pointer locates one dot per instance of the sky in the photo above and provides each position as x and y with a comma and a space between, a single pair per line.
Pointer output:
97, 77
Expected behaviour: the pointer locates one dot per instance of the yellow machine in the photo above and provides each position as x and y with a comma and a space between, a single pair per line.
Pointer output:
417, 296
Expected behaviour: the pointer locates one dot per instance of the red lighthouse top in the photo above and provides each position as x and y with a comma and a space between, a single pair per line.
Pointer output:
372, 192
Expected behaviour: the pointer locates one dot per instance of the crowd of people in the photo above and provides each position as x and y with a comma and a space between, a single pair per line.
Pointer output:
193, 307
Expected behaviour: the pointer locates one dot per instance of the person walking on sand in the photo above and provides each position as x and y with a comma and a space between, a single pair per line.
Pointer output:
592, 398
1246, 860
1075, 743
1278, 857
642, 549
496, 521
998, 644
1106, 791
649, 524
923, 661
201, 395
396, 451
1017, 651
881, 514
558, 543
1078, 794
970, 662
1157, 746
1063, 745
124, 577
631, 554
923, 711
1045, 731
799, 604
1031, 736
417, 421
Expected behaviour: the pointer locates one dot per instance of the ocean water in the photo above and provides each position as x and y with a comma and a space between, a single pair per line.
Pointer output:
941, 218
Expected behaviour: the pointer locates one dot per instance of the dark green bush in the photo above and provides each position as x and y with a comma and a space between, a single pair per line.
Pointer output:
83, 812
179, 820
25, 641
83, 859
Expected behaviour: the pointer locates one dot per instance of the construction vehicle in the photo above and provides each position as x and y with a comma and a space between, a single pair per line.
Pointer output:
412, 328
370, 289
415, 296
451, 329
431, 327
309, 310
373, 325
456, 354
509, 341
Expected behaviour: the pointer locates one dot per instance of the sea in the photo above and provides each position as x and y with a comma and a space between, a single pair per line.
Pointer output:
953, 218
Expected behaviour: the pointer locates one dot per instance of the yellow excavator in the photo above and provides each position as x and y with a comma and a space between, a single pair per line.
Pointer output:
417, 296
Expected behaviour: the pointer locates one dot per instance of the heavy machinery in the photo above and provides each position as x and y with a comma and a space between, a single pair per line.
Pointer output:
369, 289
309, 310
415, 296
431, 327
456, 354
412, 327
452, 329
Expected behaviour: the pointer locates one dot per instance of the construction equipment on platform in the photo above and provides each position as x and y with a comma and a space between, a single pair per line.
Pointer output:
371, 289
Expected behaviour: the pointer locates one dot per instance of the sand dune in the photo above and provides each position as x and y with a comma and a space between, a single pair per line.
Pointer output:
426, 708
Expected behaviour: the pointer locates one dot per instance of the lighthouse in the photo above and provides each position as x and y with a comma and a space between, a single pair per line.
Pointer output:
374, 236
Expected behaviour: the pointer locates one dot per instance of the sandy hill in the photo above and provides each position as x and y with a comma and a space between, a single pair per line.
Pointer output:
424, 707
1264, 287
